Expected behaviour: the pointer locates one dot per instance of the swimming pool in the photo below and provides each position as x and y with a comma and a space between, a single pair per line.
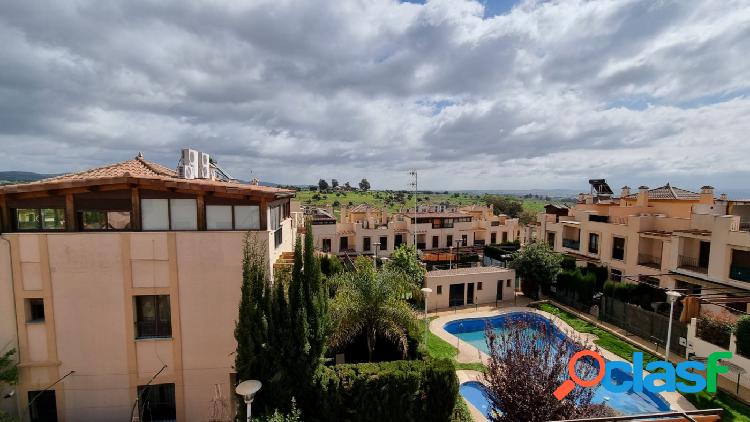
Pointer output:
473, 392
472, 331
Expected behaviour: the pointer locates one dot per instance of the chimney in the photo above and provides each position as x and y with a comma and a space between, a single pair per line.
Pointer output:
707, 195
642, 196
625, 191
724, 197
344, 213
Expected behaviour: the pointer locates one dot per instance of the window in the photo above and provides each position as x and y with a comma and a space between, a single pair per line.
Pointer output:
169, 214
153, 316
183, 214
34, 310
155, 214
383, 243
219, 217
447, 223
439, 290
551, 239
479, 285
507, 283
615, 275
246, 217
449, 240
593, 243
44, 406
505, 237
493, 238
104, 220
232, 217
40, 219
435, 240
618, 248
343, 244
464, 240
326, 245
157, 402
366, 244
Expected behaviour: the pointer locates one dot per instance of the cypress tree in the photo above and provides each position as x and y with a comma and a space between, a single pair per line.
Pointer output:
251, 328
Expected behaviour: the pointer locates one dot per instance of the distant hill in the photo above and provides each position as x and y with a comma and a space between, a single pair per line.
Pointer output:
22, 176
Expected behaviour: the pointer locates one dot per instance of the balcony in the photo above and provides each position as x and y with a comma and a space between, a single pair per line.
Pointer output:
651, 261
571, 244
739, 273
693, 264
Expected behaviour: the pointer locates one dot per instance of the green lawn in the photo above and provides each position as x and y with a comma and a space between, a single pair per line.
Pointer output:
439, 348
733, 410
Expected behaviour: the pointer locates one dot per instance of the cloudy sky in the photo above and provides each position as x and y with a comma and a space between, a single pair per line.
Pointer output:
485, 95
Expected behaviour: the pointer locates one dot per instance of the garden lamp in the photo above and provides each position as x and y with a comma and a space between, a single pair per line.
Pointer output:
248, 390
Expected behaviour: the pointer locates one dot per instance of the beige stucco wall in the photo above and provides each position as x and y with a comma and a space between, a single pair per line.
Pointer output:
488, 276
88, 281
8, 338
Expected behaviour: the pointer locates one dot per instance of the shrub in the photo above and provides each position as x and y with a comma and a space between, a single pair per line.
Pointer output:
402, 390
742, 331
600, 273
568, 263
716, 328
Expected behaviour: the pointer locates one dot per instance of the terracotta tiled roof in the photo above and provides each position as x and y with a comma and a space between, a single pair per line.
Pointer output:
669, 192
136, 169
363, 208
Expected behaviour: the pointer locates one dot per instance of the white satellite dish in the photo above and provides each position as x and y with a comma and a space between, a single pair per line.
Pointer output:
248, 388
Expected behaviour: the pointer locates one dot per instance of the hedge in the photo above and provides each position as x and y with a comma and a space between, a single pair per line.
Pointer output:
716, 328
400, 390
742, 331
575, 281
639, 294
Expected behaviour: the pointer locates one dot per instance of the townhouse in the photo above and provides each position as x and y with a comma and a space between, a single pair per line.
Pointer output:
125, 280
366, 230
666, 236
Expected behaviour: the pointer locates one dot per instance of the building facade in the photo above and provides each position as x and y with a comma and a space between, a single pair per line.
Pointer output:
469, 286
124, 275
363, 229
667, 236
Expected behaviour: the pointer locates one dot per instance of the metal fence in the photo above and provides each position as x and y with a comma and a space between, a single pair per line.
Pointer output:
645, 324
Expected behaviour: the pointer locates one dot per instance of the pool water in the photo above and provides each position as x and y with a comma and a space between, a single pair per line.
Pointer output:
473, 392
472, 331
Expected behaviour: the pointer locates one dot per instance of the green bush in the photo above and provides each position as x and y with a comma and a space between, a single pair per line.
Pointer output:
568, 263
600, 273
742, 331
716, 328
398, 390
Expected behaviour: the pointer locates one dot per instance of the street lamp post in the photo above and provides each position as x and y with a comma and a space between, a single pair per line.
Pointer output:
248, 390
672, 297
426, 293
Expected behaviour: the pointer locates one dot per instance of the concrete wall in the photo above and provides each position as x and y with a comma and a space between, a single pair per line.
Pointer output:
88, 282
488, 276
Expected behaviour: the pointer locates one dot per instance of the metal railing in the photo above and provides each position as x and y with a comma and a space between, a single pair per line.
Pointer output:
571, 244
692, 264
649, 260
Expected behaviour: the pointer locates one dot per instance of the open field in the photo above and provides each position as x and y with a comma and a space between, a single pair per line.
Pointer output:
392, 200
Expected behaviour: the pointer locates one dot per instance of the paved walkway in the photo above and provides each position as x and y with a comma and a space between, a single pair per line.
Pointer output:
469, 353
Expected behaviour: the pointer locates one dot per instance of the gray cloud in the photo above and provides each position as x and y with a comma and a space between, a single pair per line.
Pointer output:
290, 91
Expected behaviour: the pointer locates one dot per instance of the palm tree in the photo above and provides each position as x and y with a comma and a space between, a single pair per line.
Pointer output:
370, 301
